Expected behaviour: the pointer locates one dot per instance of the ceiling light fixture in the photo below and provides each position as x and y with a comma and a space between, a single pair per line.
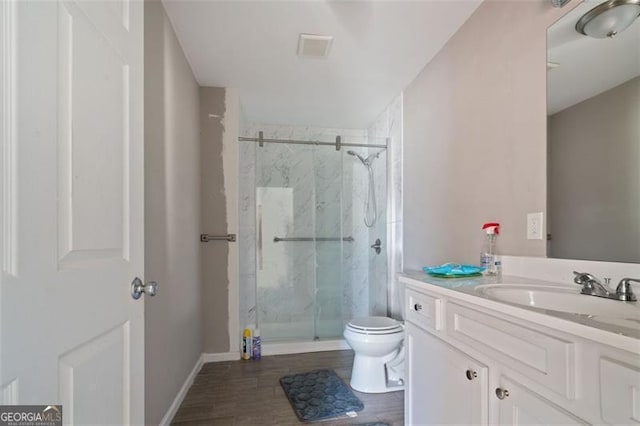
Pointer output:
609, 19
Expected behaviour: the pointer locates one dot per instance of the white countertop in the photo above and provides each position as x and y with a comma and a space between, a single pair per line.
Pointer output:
598, 328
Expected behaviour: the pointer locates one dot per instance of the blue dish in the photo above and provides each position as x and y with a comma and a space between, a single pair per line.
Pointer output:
453, 270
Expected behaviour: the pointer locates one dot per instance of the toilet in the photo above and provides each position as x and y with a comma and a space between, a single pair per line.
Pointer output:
378, 365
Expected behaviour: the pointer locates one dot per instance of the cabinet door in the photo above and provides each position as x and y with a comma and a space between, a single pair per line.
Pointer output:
443, 385
619, 391
520, 406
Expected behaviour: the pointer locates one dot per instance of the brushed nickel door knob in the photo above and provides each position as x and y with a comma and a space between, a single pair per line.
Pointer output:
138, 287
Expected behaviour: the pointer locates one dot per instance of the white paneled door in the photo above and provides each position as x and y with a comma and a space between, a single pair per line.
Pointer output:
72, 207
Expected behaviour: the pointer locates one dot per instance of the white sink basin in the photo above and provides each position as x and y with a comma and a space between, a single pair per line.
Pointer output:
561, 298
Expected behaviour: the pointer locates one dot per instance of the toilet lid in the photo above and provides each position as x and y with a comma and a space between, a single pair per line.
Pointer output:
380, 324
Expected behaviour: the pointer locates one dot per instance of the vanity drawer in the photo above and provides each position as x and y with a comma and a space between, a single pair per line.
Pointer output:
546, 359
423, 310
619, 392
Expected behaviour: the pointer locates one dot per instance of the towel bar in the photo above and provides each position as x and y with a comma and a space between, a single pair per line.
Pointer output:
205, 238
278, 239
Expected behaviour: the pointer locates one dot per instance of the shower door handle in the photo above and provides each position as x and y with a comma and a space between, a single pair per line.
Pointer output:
377, 246
259, 236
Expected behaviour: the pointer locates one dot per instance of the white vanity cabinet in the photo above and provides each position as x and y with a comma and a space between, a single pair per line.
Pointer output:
446, 386
471, 364
520, 406
619, 391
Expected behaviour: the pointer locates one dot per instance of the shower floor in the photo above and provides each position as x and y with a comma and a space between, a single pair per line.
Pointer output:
301, 331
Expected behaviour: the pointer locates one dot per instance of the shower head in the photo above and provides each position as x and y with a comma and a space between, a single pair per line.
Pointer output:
370, 210
361, 158
366, 161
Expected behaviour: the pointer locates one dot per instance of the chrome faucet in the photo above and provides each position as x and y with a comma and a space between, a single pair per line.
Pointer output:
624, 291
593, 287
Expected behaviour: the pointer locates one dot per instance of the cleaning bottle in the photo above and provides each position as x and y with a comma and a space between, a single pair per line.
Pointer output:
257, 344
489, 258
246, 343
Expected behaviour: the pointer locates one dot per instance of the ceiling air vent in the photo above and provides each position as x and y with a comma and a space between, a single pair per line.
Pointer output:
314, 46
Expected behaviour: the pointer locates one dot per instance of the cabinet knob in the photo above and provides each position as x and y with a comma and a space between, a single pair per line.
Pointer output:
502, 393
471, 374
417, 307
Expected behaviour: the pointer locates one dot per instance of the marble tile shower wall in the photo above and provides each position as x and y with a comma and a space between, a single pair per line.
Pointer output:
247, 232
315, 288
246, 225
388, 178
355, 265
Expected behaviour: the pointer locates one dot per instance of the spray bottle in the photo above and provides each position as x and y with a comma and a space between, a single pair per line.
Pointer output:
257, 344
246, 343
489, 258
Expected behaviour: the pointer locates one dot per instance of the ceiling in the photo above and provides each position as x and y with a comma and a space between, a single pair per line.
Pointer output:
588, 66
379, 47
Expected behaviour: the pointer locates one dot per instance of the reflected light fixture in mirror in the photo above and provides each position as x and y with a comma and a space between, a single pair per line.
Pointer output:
608, 19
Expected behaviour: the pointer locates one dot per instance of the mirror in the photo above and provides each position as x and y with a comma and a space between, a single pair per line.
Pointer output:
593, 142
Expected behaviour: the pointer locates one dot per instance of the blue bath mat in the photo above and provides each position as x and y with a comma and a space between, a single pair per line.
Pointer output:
319, 395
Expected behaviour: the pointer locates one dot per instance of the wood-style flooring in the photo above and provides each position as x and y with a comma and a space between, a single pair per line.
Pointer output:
249, 393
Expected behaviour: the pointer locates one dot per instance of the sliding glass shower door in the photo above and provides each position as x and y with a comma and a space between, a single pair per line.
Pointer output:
284, 195
330, 242
316, 263
299, 242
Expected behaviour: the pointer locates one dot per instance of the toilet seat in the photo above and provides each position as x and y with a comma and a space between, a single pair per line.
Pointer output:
375, 325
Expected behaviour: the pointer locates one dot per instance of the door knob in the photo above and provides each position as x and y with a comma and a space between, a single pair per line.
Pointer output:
138, 287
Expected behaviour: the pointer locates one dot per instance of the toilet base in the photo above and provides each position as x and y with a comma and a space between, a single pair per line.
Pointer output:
369, 375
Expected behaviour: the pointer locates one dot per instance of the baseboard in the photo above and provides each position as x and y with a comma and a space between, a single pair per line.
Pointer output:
302, 347
219, 357
175, 405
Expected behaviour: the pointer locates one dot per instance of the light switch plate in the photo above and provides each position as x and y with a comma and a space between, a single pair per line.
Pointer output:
535, 226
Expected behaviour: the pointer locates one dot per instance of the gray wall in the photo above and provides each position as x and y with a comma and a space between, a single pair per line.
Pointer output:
173, 319
594, 178
215, 290
475, 136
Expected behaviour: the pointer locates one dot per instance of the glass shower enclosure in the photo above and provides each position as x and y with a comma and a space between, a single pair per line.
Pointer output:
314, 267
